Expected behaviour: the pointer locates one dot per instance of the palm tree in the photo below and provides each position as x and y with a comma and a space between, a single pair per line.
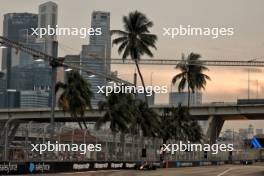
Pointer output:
186, 128
118, 114
177, 123
195, 134
76, 96
136, 39
191, 74
167, 126
145, 120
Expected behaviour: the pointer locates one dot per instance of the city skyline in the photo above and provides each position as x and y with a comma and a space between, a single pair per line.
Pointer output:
245, 44
136, 87
244, 47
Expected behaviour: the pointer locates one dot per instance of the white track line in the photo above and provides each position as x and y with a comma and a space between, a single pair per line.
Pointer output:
222, 173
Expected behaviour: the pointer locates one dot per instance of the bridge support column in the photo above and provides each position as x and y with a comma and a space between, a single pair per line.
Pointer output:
215, 124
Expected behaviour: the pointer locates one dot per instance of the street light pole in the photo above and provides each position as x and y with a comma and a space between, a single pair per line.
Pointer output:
54, 66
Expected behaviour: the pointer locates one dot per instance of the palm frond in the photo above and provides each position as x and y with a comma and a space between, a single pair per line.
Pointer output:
118, 32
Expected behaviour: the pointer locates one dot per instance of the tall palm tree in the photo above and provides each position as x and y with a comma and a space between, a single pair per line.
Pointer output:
118, 114
191, 74
135, 40
76, 96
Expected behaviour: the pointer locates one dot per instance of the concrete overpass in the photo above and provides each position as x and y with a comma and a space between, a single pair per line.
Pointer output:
216, 114
201, 112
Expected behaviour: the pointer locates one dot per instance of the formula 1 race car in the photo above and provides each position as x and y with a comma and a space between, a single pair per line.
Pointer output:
146, 166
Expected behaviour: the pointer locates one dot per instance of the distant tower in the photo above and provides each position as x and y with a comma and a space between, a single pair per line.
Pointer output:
48, 17
102, 20
48, 14
13, 26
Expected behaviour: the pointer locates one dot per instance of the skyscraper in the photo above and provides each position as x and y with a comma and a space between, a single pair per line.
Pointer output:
95, 55
102, 20
30, 76
22, 59
48, 14
34, 98
2, 89
92, 62
14, 24
48, 18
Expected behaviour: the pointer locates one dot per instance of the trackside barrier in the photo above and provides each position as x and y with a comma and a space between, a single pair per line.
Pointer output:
13, 168
173, 164
7, 168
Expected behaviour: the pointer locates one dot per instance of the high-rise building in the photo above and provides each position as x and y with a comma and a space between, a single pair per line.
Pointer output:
14, 26
96, 55
47, 16
2, 81
21, 59
91, 62
2, 89
34, 98
9, 98
48, 13
102, 20
72, 59
30, 76
176, 98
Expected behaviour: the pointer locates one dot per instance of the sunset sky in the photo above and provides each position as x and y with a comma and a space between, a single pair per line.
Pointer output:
227, 84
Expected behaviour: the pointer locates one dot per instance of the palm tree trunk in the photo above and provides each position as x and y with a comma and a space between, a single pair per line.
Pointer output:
142, 81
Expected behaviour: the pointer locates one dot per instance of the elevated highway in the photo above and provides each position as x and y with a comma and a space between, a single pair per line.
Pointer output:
202, 112
215, 114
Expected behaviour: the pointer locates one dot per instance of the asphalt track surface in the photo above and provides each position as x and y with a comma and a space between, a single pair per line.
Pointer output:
225, 170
